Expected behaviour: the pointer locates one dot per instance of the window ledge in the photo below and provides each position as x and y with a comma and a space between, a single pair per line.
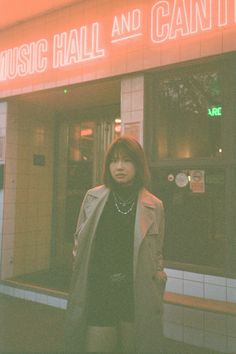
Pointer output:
224, 307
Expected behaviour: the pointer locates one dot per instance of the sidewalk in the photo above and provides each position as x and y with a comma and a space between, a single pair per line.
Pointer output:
28, 327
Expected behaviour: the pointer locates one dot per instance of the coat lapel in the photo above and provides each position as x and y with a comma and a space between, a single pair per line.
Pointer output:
94, 197
143, 222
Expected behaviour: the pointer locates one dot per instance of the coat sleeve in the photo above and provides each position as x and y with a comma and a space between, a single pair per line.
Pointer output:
80, 222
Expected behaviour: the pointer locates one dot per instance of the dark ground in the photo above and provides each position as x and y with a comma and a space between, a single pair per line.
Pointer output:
28, 327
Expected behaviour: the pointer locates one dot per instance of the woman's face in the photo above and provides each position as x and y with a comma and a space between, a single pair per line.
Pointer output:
122, 169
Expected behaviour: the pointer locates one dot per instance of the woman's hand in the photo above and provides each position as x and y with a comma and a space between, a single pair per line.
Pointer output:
162, 276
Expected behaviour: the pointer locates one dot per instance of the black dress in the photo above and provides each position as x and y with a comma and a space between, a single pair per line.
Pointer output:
110, 286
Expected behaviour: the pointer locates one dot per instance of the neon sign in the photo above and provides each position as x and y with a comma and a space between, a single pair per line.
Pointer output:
126, 26
180, 18
76, 46
29, 58
152, 24
215, 111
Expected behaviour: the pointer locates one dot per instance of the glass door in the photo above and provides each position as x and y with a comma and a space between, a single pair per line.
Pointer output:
81, 147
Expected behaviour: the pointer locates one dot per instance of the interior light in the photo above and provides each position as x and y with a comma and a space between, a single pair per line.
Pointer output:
65, 91
86, 132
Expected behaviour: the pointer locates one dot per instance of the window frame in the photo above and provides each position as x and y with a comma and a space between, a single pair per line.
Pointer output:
225, 66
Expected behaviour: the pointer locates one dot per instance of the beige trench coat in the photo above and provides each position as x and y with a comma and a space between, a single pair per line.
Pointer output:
148, 290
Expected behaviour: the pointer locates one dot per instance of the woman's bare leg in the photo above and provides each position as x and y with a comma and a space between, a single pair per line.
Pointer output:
101, 339
126, 333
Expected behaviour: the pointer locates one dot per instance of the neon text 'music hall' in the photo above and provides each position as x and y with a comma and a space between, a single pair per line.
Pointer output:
77, 46
29, 58
72, 47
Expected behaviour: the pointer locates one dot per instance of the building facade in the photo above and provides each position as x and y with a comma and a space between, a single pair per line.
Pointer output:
74, 78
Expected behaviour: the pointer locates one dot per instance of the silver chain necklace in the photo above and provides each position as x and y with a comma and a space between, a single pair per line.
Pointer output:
122, 203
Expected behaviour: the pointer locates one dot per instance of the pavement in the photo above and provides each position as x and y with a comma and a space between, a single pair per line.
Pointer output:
28, 327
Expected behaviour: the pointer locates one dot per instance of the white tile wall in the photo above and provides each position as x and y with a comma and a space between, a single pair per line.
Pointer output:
175, 285
137, 83
27, 192
204, 286
215, 322
231, 294
215, 292
215, 341
173, 331
231, 283
231, 347
209, 279
33, 296
193, 276
193, 288
231, 326
173, 273
173, 313
201, 328
193, 318
132, 104
194, 336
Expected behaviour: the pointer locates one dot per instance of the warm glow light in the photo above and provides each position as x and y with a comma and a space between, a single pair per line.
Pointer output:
86, 132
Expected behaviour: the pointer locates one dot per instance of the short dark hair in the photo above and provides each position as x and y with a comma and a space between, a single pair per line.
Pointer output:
131, 147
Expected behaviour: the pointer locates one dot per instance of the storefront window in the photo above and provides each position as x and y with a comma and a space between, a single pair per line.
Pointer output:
190, 139
190, 114
194, 202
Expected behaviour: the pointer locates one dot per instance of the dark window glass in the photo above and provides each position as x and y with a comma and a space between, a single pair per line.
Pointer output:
194, 203
188, 116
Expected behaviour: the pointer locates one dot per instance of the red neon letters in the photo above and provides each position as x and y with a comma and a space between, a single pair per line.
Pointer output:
29, 58
76, 46
178, 18
165, 20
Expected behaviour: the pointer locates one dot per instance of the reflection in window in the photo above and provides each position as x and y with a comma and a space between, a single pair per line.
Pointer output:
80, 170
189, 116
195, 215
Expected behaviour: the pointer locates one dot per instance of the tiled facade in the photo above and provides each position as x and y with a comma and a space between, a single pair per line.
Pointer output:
200, 328
27, 192
201, 285
132, 106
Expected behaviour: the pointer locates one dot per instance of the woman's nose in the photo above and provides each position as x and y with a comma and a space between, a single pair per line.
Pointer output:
119, 164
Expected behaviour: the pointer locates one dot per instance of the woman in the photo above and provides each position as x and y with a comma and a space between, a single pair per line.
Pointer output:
118, 280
